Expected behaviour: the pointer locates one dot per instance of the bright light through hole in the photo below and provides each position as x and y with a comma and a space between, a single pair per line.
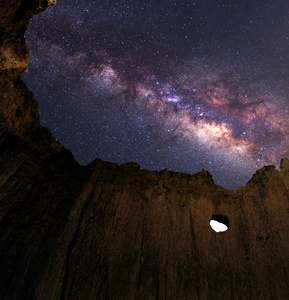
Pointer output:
220, 223
217, 226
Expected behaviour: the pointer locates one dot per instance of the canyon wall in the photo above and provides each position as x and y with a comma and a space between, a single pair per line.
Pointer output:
117, 232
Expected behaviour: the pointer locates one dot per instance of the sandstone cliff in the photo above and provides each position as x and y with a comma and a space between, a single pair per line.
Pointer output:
117, 232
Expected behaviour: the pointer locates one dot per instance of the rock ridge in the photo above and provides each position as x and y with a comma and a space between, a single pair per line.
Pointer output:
117, 232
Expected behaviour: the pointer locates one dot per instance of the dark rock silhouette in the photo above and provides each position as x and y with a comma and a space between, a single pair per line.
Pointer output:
117, 232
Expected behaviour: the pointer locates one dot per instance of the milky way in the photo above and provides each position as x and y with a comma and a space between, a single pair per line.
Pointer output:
180, 85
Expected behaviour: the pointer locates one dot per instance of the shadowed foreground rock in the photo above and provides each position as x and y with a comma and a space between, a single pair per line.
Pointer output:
116, 232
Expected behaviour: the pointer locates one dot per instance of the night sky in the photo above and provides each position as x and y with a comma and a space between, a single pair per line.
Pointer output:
182, 85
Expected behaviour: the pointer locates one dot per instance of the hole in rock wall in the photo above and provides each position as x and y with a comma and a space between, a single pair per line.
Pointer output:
219, 223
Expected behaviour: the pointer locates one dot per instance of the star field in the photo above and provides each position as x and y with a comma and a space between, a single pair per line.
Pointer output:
182, 85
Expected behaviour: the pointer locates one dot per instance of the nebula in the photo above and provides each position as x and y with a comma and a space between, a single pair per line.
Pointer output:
138, 93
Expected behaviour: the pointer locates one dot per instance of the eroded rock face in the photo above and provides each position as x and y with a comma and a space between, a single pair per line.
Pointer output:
117, 232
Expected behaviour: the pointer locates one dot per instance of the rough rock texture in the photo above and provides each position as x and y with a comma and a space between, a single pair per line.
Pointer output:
117, 232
